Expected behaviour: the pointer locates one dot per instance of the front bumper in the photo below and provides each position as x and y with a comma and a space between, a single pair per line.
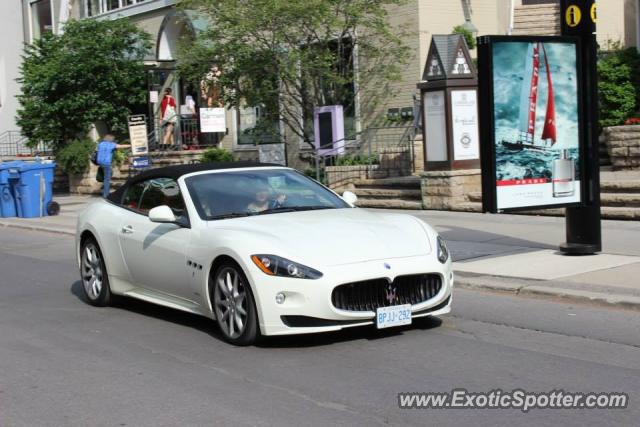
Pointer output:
307, 307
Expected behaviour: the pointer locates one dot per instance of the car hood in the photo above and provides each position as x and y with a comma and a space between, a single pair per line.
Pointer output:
329, 237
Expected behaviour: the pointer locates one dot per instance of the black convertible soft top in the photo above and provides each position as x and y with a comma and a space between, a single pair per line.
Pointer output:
177, 171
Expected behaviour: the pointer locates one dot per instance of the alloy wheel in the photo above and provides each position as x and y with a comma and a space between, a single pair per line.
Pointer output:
230, 301
92, 274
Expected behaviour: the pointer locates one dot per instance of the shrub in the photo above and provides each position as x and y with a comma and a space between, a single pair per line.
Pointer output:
73, 158
214, 155
119, 157
357, 159
618, 84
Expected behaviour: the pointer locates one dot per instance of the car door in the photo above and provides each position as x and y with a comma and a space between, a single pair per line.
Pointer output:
154, 253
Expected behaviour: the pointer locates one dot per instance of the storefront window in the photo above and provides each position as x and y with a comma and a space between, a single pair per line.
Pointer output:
40, 18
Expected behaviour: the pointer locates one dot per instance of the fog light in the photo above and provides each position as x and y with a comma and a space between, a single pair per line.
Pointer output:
280, 298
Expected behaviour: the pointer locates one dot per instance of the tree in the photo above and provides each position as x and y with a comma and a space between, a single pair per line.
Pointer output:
93, 73
618, 84
289, 56
468, 35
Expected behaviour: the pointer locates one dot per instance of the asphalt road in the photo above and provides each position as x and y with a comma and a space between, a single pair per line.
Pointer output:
65, 363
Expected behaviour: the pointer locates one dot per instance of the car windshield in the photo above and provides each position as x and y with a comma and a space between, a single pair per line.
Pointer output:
221, 195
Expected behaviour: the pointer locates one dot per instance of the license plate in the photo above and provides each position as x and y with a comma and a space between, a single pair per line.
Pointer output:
396, 315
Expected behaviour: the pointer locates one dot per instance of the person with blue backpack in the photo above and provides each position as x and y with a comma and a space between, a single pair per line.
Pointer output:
104, 157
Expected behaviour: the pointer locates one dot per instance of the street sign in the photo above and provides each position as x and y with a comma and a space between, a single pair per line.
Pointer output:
573, 16
138, 135
578, 17
141, 162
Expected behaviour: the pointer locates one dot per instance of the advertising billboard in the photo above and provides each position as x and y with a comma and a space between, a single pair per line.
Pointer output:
532, 154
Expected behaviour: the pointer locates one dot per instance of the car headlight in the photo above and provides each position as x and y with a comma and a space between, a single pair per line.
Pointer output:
277, 266
443, 252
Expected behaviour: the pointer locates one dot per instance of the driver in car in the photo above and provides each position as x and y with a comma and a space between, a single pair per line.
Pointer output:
262, 201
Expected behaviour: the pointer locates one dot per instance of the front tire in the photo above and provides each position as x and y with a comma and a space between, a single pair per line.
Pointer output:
234, 305
95, 280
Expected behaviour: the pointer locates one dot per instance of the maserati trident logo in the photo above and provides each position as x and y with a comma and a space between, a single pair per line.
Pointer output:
387, 266
391, 293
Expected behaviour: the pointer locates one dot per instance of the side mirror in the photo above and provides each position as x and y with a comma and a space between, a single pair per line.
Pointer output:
349, 197
162, 214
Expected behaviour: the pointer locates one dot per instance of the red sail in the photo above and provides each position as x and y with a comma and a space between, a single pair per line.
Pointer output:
533, 94
549, 130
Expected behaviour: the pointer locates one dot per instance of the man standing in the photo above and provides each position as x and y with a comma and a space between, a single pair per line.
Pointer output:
106, 147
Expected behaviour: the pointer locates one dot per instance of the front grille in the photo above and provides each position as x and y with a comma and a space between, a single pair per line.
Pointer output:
368, 295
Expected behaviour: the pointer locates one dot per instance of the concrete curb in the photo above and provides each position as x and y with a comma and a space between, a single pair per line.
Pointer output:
48, 229
521, 287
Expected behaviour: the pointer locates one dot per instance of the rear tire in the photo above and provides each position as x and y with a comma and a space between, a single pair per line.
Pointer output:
234, 306
93, 274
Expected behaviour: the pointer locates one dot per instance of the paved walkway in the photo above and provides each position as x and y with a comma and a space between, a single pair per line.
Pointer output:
507, 253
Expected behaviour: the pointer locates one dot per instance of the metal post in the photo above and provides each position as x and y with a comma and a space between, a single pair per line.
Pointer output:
369, 174
583, 224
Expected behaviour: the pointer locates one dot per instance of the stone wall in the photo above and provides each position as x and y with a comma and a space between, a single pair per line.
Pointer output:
87, 184
451, 190
623, 146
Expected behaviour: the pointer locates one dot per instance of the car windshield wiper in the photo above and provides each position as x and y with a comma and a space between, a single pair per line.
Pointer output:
275, 210
292, 209
230, 215
312, 208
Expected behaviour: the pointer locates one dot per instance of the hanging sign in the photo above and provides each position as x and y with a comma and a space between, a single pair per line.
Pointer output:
212, 120
138, 135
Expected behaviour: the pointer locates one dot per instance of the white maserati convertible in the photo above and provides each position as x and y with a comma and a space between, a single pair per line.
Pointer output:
261, 249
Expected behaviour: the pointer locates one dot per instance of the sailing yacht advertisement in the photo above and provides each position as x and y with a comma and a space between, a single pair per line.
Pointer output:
535, 122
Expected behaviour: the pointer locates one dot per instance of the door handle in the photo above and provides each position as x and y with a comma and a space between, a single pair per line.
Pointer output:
127, 229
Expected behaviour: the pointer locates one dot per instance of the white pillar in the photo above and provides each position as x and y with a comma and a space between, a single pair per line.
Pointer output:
63, 17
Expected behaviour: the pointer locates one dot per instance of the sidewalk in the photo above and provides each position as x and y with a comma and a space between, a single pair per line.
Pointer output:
519, 254
64, 223
504, 253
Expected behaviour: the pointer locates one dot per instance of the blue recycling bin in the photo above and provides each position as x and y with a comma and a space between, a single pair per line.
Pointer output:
7, 199
32, 184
